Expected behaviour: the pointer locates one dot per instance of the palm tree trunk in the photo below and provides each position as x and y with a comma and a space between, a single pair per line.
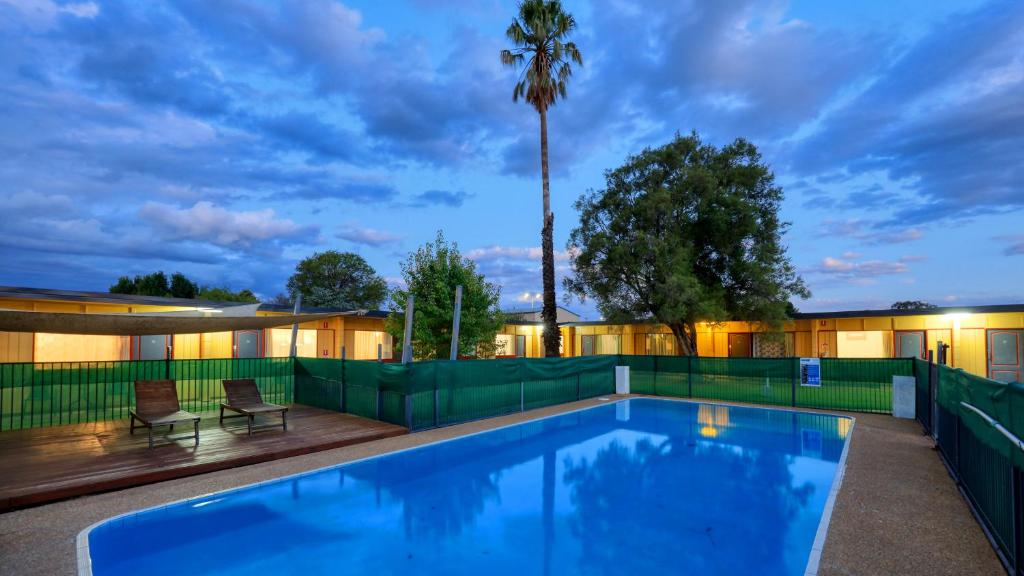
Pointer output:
549, 313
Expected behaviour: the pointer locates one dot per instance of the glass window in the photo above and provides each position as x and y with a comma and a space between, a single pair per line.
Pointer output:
366, 343
279, 343
247, 344
80, 347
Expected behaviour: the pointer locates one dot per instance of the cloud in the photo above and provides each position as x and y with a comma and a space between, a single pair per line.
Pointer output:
532, 253
868, 233
1014, 244
850, 268
441, 198
943, 118
205, 222
367, 236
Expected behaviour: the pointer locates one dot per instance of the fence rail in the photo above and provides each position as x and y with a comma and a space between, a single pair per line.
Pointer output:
977, 425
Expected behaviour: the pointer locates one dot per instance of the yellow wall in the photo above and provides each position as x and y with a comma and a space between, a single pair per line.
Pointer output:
217, 345
186, 346
16, 346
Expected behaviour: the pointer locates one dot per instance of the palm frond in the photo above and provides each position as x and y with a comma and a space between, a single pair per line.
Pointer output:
540, 38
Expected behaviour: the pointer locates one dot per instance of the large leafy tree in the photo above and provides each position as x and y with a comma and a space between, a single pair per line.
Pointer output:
541, 48
686, 233
339, 280
431, 274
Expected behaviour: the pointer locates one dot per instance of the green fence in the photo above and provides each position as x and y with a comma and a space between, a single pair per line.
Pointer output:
978, 430
861, 385
439, 393
34, 395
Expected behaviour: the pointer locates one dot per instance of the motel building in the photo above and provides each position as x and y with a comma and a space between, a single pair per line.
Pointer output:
983, 340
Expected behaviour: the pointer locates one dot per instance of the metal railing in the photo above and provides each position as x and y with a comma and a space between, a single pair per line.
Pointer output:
981, 453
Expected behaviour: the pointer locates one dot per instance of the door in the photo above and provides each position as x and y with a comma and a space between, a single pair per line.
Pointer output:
1005, 351
325, 343
911, 345
588, 345
149, 347
740, 345
247, 344
521, 346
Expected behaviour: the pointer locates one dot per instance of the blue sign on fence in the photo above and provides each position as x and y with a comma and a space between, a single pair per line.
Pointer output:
810, 372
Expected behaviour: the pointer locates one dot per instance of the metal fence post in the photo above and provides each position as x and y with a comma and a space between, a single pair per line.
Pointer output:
437, 401
577, 386
342, 386
522, 396
793, 371
408, 411
689, 376
1017, 497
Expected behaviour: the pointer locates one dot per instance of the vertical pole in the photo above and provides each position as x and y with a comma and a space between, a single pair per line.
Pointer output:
1017, 491
408, 411
577, 386
455, 324
293, 349
793, 371
380, 352
342, 385
522, 396
689, 376
437, 409
932, 393
407, 338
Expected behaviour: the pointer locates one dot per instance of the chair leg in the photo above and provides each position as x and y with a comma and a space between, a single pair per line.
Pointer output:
284, 420
196, 423
171, 430
221, 414
131, 428
150, 436
251, 417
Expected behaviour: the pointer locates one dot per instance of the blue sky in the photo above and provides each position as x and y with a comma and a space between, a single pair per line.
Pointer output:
229, 139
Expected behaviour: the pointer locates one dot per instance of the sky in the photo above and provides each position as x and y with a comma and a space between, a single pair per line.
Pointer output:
228, 139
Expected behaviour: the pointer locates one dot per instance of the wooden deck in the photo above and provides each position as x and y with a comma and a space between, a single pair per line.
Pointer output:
48, 464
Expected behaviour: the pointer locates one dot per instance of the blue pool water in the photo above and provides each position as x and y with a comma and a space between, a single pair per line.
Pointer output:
641, 486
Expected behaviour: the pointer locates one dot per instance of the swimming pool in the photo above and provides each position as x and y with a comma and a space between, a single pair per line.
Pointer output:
630, 487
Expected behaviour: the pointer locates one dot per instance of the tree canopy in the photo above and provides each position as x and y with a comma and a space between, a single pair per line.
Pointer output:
685, 233
913, 305
431, 274
337, 280
179, 286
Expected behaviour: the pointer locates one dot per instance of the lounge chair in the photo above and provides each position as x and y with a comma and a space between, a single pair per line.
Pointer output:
244, 397
156, 404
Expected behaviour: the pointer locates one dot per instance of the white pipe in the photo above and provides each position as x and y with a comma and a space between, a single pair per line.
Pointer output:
1009, 435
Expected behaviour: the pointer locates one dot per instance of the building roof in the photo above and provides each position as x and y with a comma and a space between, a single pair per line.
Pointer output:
985, 309
22, 293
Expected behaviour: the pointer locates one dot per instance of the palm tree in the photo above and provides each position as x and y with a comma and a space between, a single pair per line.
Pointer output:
539, 38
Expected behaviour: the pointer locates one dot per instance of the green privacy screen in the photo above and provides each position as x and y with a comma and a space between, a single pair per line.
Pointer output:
438, 393
980, 422
861, 385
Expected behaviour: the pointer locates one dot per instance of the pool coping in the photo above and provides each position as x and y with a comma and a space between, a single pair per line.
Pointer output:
84, 559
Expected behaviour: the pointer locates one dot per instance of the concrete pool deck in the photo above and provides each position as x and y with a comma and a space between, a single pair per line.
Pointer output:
898, 511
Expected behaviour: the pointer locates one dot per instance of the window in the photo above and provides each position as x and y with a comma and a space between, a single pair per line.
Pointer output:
279, 343
366, 343
864, 344
503, 344
81, 347
660, 345
774, 345
601, 344
520, 346
150, 347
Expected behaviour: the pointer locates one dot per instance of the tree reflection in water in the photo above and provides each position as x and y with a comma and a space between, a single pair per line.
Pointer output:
443, 511
734, 512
